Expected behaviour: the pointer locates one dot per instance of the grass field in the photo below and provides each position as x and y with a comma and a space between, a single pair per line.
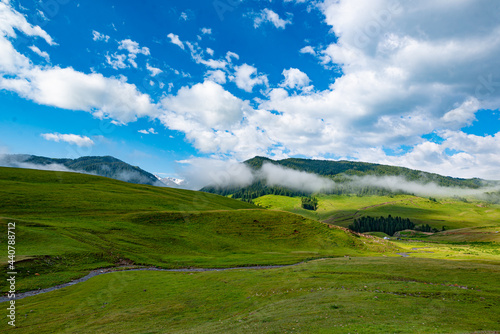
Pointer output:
68, 224
342, 210
357, 295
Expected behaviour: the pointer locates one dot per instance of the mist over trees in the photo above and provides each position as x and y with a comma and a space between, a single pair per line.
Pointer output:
304, 177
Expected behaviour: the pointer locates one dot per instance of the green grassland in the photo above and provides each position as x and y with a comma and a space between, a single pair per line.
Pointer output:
68, 224
357, 295
342, 210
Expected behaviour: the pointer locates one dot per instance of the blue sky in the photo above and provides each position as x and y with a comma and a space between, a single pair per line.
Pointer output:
169, 84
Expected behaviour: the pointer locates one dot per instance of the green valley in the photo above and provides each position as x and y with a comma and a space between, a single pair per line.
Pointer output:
68, 224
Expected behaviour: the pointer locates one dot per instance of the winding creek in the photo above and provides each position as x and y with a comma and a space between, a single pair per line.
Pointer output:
98, 272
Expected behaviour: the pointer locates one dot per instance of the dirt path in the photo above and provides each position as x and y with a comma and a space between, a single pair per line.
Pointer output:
98, 272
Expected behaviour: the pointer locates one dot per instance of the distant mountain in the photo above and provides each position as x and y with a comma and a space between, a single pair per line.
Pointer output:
172, 182
341, 172
335, 168
103, 166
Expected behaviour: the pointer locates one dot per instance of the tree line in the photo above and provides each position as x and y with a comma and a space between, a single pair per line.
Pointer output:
388, 225
309, 203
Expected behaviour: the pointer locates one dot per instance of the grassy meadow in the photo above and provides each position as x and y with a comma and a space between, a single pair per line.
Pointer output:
342, 210
342, 295
68, 224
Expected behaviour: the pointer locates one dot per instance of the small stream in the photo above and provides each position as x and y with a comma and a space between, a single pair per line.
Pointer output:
98, 272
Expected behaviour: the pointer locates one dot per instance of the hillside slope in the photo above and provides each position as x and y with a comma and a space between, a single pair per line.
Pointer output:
333, 168
106, 166
343, 173
70, 223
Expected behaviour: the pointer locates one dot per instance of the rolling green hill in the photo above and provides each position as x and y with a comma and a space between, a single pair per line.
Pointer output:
341, 172
342, 210
103, 166
70, 223
332, 168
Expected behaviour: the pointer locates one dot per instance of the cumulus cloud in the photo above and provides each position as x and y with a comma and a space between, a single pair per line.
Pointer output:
246, 77
308, 49
214, 120
407, 69
133, 47
133, 50
267, 15
472, 156
403, 76
153, 70
69, 89
81, 141
295, 78
64, 87
217, 76
207, 103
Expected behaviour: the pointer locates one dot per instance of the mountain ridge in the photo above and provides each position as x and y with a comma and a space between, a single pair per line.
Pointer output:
106, 166
342, 173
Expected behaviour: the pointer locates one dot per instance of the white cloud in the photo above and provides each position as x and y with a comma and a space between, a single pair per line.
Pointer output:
407, 70
471, 156
133, 47
174, 39
230, 55
308, 49
295, 78
210, 51
153, 70
39, 52
405, 73
246, 77
207, 103
267, 15
216, 121
148, 131
65, 87
215, 172
117, 61
206, 31
120, 60
97, 36
133, 50
463, 114
81, 141
217, 76
197, 54
69, 89
11, 19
